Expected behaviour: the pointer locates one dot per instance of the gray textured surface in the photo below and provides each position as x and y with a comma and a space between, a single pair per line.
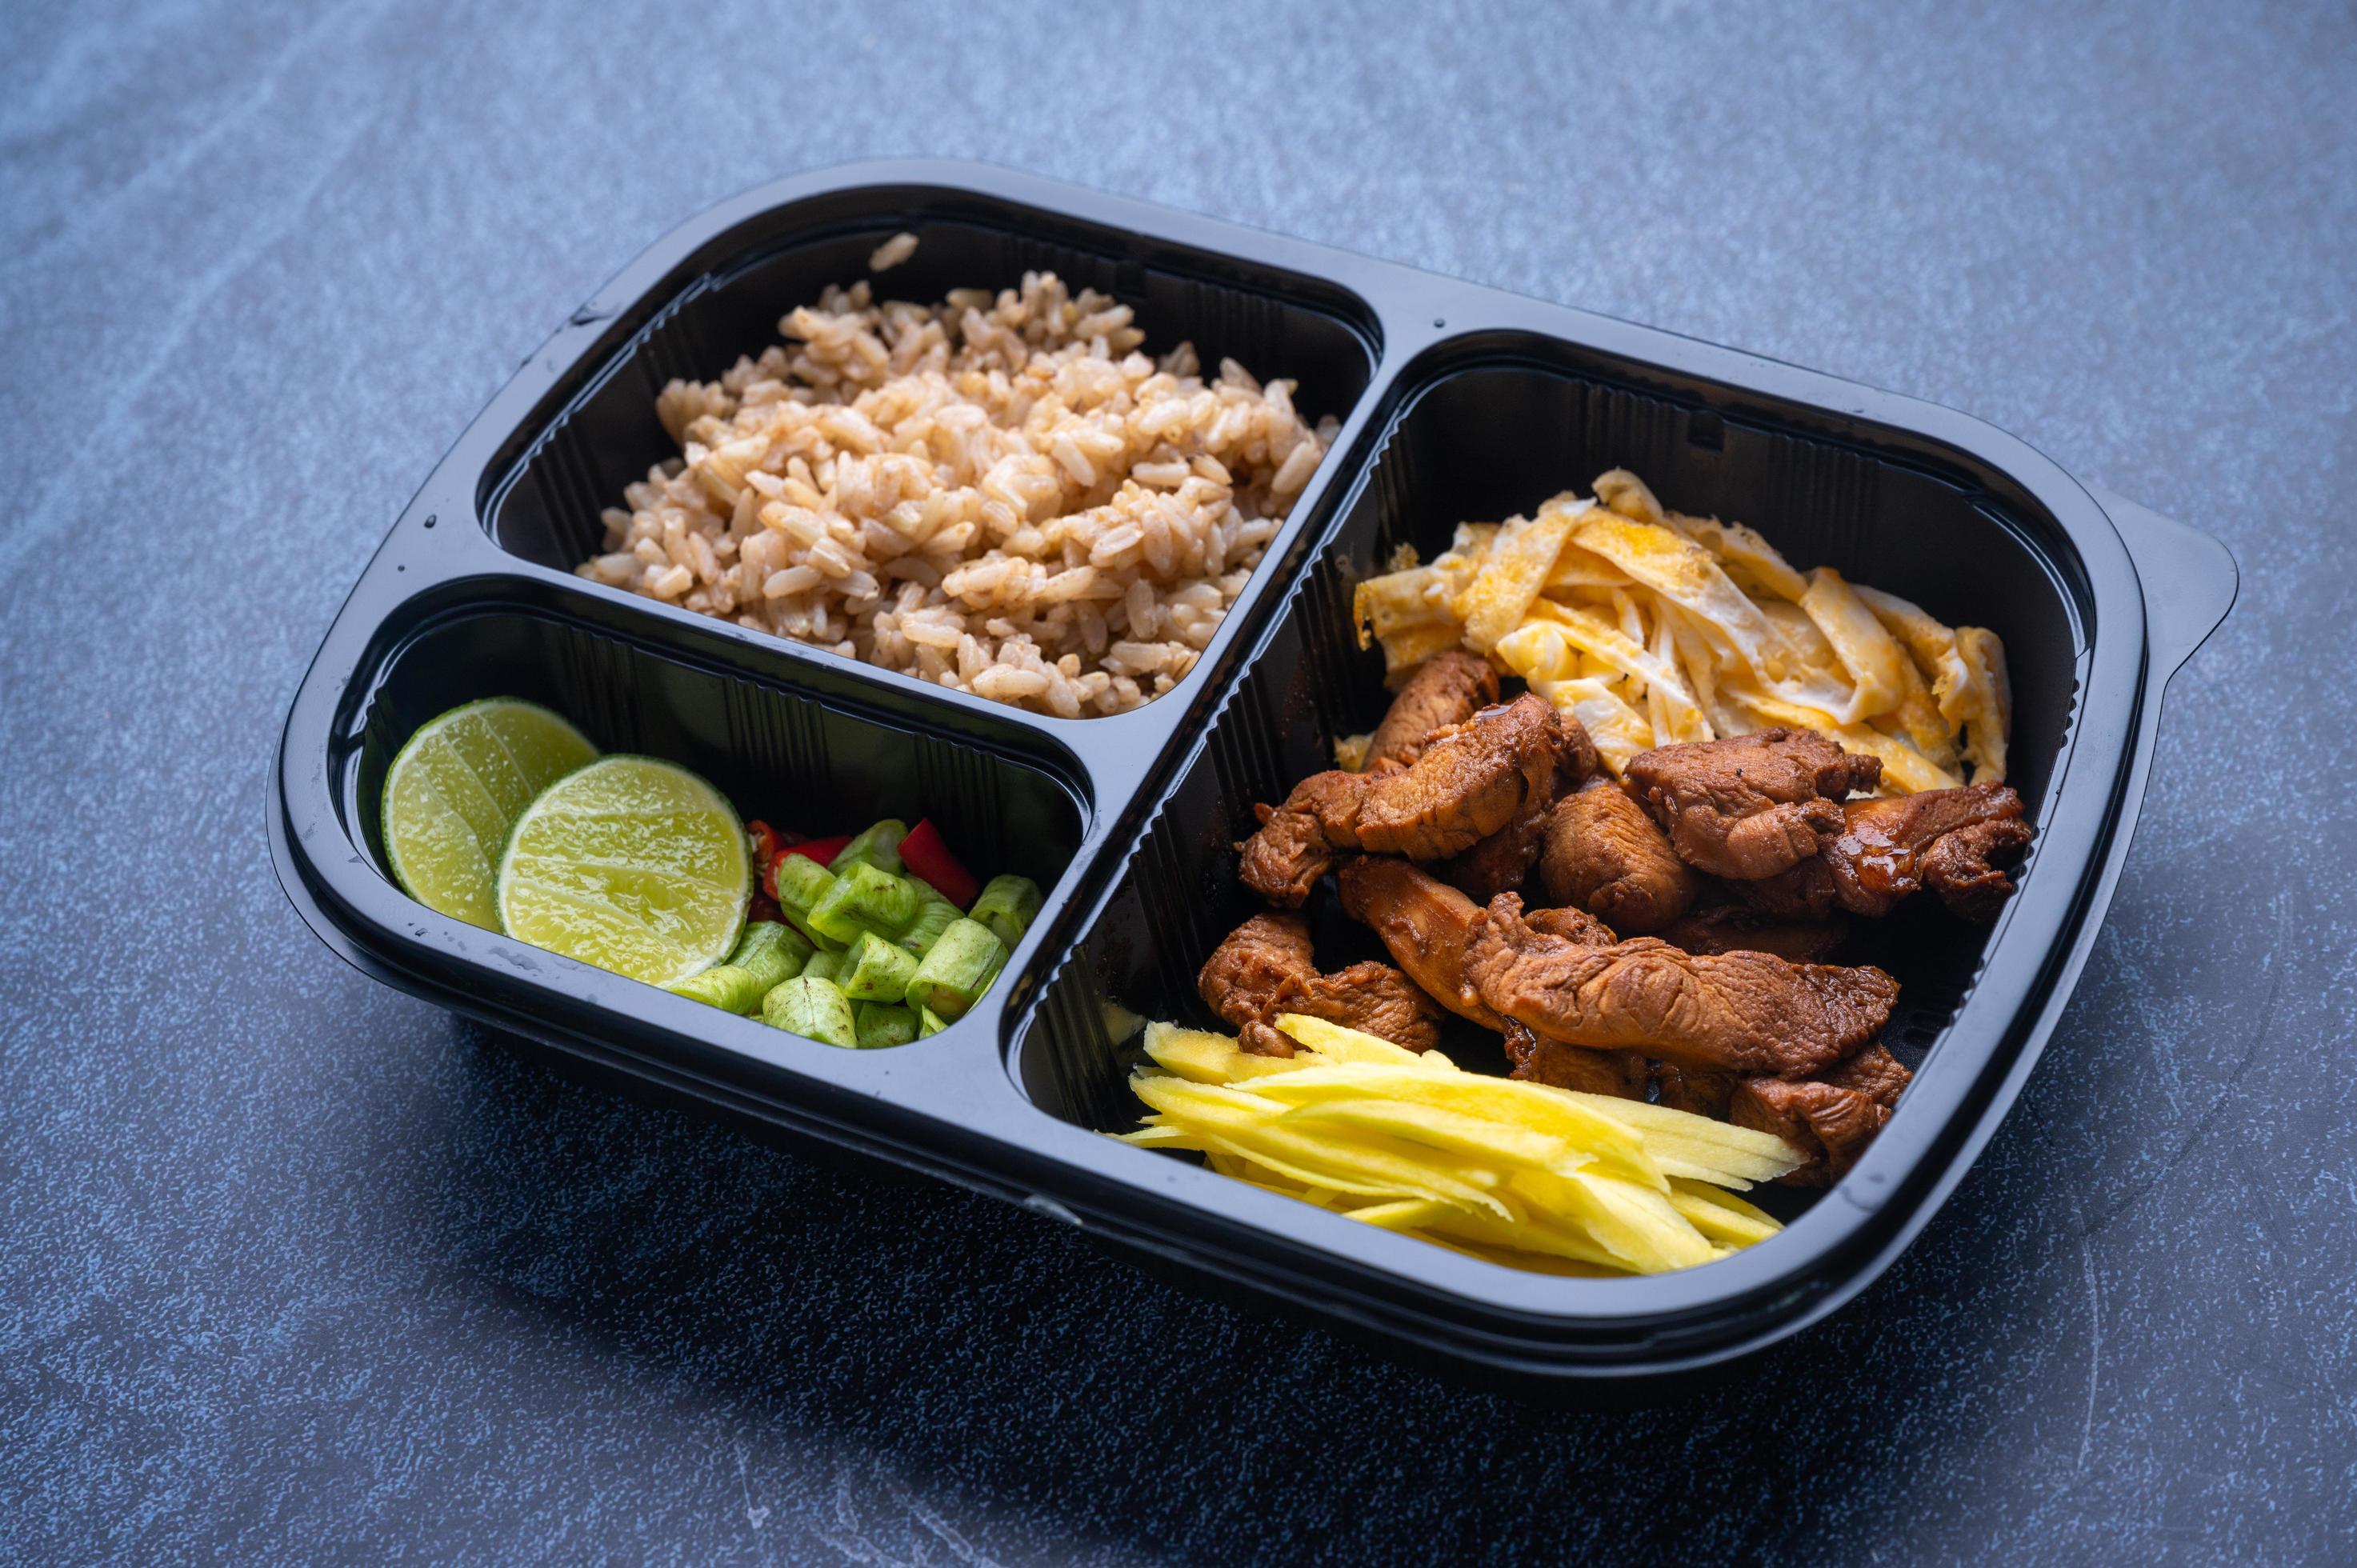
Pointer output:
294, 1267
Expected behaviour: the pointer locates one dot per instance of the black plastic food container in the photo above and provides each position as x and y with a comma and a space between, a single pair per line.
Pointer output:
1454, 403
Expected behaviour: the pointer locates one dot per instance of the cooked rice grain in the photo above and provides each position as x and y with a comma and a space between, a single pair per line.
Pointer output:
1000, 495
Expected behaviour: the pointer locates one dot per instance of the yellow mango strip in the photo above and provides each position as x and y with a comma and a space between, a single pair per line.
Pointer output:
1364, 1165
1515, 573
1722, 1217
1337, 1044
1160, 1134
1547, 1235
1635, 1224
1245, 1124
1870, 654
1400, 1214
1200, 1057
1450, 1130
1342, 1175
1237, 1169
1531, 1106
1685, 1144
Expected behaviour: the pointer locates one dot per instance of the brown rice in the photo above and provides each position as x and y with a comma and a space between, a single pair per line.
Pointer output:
1001, 495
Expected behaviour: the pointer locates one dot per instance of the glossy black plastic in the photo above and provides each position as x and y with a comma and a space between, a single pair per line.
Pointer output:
1456, 403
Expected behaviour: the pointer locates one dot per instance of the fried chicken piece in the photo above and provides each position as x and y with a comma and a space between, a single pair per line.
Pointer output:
1467, 783
1268, 966
1537, 1060
1445, 689
1751, 805
1604, 854
1572, 925
1424, 923
1751, 1012
1733, 927
1579, 760
1831, 1119
1699, 1091
1954, 840
1501, 862
1967, 869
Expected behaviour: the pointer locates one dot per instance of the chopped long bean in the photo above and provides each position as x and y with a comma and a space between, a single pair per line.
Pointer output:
802, 884
864, 899
1007, 905
958, 969
813, 1009
875, 970
767, 956
934, 913
879, 846
822, 965
880, 1024
930, 1023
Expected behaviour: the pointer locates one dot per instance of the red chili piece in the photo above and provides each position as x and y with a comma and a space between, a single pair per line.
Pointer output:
766, 841
924, 853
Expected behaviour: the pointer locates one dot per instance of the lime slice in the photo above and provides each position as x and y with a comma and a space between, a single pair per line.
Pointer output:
632, 864
455, 789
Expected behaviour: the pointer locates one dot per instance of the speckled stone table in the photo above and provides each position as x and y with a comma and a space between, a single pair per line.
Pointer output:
292, 1268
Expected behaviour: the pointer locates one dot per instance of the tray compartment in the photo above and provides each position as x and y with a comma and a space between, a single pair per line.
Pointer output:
544, 491
778, 752
1493, 425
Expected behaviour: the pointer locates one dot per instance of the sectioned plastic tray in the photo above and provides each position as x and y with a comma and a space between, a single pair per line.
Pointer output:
1456, 403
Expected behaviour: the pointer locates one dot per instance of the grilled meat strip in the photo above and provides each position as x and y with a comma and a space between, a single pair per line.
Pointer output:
1954, 840
1830, 1118
1733, 927
1572, 925
1537, 1060
1700, 1090
1501, 862
1445, 689
1467, 783
1424, 923
1427, 924
1751, 1012
1267, 966
1968, 868
1604, 854
1751, 805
